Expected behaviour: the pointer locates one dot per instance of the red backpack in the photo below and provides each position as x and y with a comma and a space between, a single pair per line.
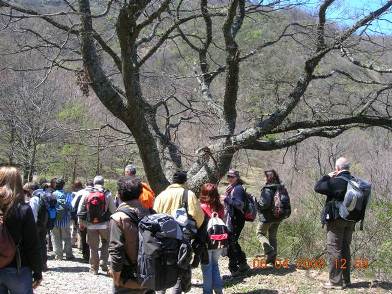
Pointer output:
7, 244
96, 207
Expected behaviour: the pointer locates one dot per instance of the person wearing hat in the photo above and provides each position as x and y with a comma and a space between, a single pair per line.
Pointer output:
234, 203
170, 200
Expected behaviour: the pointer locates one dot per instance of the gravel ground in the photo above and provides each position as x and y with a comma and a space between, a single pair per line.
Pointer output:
73, 277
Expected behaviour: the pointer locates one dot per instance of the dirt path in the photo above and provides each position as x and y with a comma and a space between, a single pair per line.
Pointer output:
73, 277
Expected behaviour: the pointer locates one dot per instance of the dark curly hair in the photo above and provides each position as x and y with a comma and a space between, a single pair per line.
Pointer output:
272, 177
129, 188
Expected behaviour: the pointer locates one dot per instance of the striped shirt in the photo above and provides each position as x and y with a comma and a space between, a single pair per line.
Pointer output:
66, 219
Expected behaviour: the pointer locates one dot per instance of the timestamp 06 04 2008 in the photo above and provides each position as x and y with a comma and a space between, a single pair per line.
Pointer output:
310, 263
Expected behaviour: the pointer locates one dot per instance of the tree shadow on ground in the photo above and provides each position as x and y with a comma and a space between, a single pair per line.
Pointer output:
231, 281
371, 285
69, 269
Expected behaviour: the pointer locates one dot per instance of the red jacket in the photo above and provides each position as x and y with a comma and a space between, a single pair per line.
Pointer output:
208, 210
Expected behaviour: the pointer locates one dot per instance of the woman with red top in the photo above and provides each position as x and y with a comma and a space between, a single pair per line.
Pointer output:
210, 203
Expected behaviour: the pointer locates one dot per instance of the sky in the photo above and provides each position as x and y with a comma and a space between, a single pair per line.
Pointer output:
347, 12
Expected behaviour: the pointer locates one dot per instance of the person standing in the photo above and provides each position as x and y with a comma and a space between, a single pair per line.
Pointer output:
130, 170
171, 199
20, 271
97, 207
210, 204
39, 203
124, 238
76, 187
339, 231
269, 224
50, 189
61, 232
234, 200
79, 198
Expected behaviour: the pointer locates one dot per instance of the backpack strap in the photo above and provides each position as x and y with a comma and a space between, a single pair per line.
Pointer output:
185, 200
131, 214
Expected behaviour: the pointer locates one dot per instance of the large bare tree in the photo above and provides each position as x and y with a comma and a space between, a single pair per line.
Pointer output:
120, 42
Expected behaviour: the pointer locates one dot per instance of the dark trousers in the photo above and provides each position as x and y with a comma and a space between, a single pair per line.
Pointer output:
50, 245
117, 290
42, 246
84, 246
339, 236
177, 289
234, 252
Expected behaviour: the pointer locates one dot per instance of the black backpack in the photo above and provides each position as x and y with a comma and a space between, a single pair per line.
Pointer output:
43, 209
162, 251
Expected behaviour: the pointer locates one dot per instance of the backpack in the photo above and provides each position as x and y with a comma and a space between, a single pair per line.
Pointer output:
182, 217
250, 208
43, 214
160, 252
96, 207
62, 205
355, 200
281, 207
75, 205
147, 196
7, 244
51, 201
217, 232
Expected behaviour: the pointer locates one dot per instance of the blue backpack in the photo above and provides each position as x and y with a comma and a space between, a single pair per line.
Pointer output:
63, 205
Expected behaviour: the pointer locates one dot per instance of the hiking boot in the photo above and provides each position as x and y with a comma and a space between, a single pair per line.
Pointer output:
243, 268
70, 257
93, 271
346, 284
330, 286
56, 257
271, 259
235, 274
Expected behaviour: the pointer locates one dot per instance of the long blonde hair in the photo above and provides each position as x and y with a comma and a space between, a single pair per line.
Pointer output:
11, 189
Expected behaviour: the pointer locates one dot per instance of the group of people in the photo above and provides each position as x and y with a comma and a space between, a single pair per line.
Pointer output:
108, 226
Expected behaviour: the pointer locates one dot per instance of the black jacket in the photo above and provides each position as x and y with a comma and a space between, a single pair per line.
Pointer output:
334, 188
264, 203
21, 226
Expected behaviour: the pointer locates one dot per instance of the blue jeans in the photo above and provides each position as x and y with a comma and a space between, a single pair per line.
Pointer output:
212, 279
16, 283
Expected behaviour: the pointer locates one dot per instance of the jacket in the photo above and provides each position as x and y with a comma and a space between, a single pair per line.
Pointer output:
264, 203
335, 190
170, 200
234, 206
22, 228
124, 236
110, 206
208, 211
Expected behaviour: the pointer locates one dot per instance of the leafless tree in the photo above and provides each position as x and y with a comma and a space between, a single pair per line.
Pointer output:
120, 45
27, 122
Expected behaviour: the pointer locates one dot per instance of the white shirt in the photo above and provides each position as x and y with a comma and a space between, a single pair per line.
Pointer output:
110, 205
34, 204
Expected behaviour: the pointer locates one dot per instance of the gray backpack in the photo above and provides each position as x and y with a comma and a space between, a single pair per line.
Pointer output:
355, 200
162, 252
